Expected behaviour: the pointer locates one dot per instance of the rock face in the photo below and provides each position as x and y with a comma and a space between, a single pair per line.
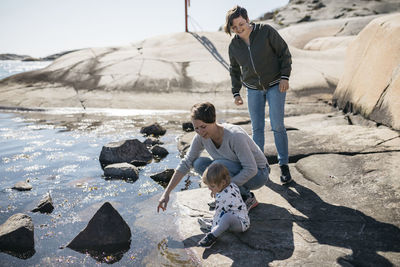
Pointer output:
16, 234
371, 81
340, 209
124, 151
106, 231
310, 10
121, 171
45, 205
187, 63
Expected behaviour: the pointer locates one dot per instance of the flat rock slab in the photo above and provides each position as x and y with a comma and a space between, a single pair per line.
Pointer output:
329, 133
348, 222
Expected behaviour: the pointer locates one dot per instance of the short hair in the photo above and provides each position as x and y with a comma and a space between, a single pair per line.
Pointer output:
233, 13
216, 174
204, 112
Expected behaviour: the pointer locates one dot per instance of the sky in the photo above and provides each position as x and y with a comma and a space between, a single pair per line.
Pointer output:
43, 27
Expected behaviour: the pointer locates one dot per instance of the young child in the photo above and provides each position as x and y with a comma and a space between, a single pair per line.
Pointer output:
230, 210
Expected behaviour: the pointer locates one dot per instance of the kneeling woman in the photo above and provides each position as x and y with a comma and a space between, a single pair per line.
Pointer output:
228, 145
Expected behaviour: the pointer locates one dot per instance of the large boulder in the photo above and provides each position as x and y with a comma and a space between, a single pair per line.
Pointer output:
371, 81
179, 63
16, 234
124, 151
106, 231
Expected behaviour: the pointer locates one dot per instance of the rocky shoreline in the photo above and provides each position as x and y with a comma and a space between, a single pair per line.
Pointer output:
343, 208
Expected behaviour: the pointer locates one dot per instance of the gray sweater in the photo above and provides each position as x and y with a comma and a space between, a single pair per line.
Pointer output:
236, 146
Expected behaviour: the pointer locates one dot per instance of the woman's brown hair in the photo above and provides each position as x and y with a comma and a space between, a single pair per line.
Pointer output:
233, 13
204, 112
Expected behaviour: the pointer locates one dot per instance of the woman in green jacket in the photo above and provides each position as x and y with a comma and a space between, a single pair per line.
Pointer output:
260, 60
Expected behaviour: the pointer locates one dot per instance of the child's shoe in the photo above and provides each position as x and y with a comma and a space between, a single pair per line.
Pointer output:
251, 202
207, 241
205, 224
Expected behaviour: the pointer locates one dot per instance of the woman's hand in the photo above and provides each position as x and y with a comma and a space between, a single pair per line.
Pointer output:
163, 202
283, 85
238, 100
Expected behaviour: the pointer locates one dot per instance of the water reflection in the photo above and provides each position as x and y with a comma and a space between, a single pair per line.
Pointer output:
20, 254
106, 256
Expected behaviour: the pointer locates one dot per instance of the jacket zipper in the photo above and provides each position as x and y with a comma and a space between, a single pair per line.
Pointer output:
252, 63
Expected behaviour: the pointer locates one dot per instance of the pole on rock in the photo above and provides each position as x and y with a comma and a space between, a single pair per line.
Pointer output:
187, 3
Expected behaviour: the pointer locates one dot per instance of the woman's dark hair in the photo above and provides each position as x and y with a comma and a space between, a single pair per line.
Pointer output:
233, 13
204, 112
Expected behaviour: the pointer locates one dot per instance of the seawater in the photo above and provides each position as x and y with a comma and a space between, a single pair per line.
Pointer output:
57, 151
10, 67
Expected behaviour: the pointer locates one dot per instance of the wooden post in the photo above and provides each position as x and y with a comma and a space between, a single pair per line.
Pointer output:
186, 15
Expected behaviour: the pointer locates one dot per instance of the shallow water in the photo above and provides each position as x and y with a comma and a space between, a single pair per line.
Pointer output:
59, 154
57, 150
10, 67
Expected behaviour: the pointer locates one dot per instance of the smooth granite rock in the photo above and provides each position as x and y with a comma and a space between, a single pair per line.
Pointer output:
370, 85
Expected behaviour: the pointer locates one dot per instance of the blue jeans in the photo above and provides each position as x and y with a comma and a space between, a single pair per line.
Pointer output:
276, 101
201, 164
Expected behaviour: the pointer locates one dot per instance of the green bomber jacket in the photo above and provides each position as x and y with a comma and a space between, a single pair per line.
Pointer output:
263, 63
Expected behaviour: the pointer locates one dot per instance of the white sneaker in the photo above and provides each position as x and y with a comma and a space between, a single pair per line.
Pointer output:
205, 224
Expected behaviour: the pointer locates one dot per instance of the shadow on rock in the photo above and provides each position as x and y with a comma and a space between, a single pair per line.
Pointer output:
342, 227
269, 238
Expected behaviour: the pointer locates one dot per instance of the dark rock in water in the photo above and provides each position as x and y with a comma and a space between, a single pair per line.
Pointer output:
187, 127
138, 163
107, 231
121, 171
16, 234
151, 141
22, 186
159, 151
45, 205
124, 151
163, 177
154, 129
